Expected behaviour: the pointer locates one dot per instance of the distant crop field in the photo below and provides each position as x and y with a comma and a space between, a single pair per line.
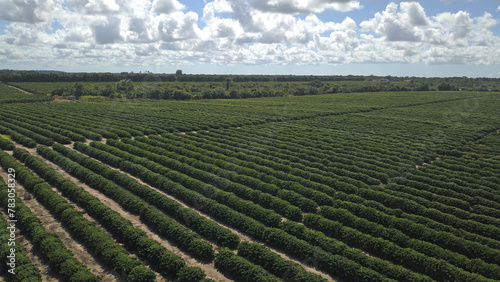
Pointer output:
375, 186
10, 95
196, 87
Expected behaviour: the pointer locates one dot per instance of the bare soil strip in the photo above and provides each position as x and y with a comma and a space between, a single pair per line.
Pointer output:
51, 224
62, 172
209, 269
242, 236
24, 91
37, 260
33, 255
105, 200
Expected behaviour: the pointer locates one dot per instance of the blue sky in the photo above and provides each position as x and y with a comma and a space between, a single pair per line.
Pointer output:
319, 37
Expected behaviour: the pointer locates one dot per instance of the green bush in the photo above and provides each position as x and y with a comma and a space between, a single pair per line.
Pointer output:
275, 264
190, 274
229, 263
6, 144
141, 274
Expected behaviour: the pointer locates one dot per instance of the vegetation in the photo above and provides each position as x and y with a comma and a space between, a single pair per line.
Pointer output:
239, 268
275, 264
26, 271
388, 183
180, 86
10, 95
61, 260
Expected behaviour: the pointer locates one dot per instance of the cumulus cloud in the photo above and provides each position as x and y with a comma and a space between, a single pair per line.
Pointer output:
178, 26
94, 6
23, 34
397, 24
167, 6
415, 13
34, 11
460, 24
279, 28
305, 6
108, 31
216, 7
164, 32
445, 38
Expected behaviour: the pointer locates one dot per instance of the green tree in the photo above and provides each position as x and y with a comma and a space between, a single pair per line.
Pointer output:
78, 89
444, 87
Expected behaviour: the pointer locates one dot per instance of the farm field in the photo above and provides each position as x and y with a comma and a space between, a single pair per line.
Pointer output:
385, 186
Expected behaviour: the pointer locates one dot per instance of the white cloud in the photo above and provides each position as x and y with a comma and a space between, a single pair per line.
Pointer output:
305, 6
250, 32
108, 31
282, 28
459, 24
167, 6
94, 6
415, 13
23, 34
217, 6
34, 11
178, 26
394, 25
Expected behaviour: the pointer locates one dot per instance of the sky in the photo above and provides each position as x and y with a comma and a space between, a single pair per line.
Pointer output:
300, 37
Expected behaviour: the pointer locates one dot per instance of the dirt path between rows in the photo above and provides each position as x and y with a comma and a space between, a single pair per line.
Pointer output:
105, 200
75, 246
33, 255
93, 263
242, 236
208, 268
75, 205
22, 90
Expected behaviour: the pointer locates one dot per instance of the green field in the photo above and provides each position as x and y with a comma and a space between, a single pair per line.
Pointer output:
375, 186
11, 95
194, 87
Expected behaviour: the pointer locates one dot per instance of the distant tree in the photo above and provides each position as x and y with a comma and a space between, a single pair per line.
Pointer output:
108, 90
444, 87
79, 89
234, 94
125, 87
178, 72
422, 87
316, 83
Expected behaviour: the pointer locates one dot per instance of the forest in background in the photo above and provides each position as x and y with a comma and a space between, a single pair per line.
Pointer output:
180, 86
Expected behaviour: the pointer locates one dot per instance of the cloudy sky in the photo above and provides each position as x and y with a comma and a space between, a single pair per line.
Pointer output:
321, 37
